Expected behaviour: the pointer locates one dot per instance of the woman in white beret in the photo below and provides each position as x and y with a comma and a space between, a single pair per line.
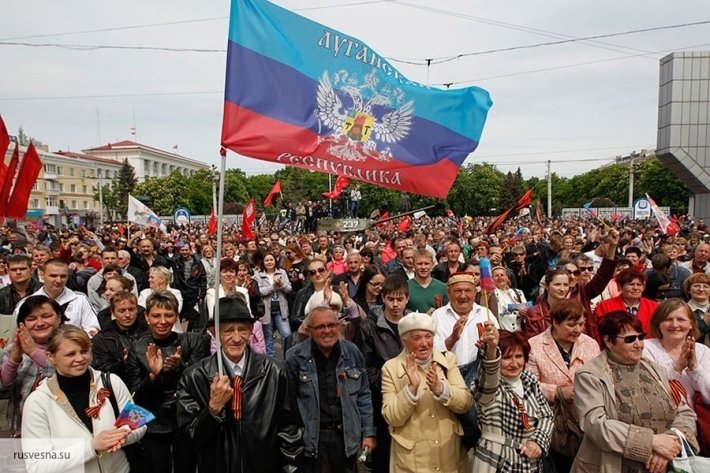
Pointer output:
422, 391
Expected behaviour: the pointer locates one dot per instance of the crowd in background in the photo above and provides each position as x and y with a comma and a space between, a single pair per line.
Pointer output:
592, 337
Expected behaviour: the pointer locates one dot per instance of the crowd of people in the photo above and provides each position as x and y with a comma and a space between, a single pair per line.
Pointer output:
588, 351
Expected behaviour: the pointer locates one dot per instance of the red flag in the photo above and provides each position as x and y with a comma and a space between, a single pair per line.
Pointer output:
523, 202
248, 216
276, 189
340, 184
213, 223
538, 213
26, 178
7, 182
404, 225
4, 144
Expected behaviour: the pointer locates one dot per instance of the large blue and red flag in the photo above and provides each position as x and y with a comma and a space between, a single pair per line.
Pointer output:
303, 94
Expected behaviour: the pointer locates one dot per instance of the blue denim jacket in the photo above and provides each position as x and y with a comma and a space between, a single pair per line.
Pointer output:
354, 395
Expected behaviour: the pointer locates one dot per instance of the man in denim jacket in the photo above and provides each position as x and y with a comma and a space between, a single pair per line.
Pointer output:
333, 395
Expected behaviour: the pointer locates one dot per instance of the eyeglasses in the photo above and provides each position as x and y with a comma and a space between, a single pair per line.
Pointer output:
322, 327
375, 284
313, 272
632, 338
518, 254
588, 269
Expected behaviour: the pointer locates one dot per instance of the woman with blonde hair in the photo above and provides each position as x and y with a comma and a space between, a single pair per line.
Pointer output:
71, 413
697, 289
159, 279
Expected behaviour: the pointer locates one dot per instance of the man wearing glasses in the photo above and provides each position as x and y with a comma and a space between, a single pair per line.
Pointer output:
21, 283
333, 396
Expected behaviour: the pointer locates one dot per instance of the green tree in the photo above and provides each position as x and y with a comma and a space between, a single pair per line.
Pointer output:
125, 183
166, 193
476, 190
511, 190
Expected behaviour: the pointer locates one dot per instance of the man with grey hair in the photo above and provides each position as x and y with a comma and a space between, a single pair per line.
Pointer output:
352, 276
333, 397
124, 262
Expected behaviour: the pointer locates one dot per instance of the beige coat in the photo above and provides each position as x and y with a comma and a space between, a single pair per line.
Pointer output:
426, 436
607, 440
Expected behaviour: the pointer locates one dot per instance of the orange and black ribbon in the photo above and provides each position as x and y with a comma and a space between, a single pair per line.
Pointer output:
237, 398
678, 391
101, 397
523, 414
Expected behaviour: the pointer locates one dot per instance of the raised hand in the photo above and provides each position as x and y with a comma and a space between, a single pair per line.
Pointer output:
173, 362
327, 292
28, 343
155, 360
412, 370
344, 294
16, 350
490, 337
432, 380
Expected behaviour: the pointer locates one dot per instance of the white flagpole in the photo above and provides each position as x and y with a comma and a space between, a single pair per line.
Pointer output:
220, 211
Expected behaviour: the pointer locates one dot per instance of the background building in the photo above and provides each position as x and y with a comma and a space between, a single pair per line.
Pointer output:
146, 160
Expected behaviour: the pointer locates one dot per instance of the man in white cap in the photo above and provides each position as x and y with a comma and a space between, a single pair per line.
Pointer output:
460, 323
422, 391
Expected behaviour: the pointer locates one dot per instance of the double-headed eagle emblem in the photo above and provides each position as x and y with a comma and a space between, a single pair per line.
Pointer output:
360, 116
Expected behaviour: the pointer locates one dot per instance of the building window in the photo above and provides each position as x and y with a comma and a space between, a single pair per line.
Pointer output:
83, 173
60, 170
163, 169
35, 186
71, 172
86, 204
98, 173
155, 167
50, 201
46, 185
34, 203
84, 190
146, 165
73, 204
72, 188
61, 187
50, 168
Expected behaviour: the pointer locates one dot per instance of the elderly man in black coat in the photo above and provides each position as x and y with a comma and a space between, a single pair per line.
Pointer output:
245, 420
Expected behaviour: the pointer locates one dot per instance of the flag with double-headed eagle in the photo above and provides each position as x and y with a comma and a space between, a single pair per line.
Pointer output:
303, 94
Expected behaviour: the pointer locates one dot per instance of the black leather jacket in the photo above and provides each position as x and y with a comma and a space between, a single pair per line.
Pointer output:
108, 345
267, 439
159, 396
194, 287
299, 306
9, 298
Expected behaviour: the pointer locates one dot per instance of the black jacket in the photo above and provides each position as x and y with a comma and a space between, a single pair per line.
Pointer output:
195, 286
267, 439
159, 396
299, 306
442, 273
9, 297
107, 346
139, 276
105, 319
378, 343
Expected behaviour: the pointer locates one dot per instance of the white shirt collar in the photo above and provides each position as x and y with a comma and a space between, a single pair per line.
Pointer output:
236, 368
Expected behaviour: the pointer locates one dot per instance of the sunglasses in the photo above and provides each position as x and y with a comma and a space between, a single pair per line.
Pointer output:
518, 254
632, 338
313, 272
586, 268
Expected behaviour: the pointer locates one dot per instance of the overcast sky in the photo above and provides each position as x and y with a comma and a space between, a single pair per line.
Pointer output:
578, 104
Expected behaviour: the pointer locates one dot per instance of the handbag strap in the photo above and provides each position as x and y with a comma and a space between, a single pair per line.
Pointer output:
106, 381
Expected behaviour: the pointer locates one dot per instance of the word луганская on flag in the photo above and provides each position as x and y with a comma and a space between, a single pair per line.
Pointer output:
302, 94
